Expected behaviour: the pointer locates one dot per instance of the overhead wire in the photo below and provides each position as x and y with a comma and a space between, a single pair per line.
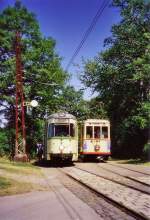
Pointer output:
88, 31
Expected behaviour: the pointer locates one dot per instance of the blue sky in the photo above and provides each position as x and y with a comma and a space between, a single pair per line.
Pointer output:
66, 21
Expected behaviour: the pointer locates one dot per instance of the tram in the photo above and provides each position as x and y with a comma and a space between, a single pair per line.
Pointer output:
61, 141
95, 139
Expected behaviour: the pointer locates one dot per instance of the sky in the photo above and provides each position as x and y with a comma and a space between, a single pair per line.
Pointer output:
66, 21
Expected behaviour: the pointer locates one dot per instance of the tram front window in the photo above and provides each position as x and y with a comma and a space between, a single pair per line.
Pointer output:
96, 132
89, 132
51, 130
104, 132
64, 130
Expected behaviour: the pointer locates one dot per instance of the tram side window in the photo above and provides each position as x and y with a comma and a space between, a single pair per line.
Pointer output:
72, 130
62, 130
51, 130
104, 132
89, 132
96, 132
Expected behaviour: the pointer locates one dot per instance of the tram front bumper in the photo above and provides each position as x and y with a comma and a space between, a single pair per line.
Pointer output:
61, 156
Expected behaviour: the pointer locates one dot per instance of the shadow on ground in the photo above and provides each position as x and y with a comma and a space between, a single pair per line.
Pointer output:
48, 164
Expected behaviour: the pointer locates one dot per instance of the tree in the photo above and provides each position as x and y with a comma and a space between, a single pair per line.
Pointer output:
121, 76
4, 142
72, 101
96, 109
43, 75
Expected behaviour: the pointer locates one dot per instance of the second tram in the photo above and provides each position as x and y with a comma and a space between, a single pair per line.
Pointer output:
95, 139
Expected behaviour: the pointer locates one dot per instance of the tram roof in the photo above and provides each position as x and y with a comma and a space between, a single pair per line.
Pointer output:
63, 115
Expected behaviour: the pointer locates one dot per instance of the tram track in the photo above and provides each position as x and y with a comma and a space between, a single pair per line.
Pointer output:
87, 182
145, 191
133, 170
129, 177
102, 206
108, 209
134, 180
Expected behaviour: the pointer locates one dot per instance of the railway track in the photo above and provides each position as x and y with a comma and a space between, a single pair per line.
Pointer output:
141, 187
124, 197
134, 179
130, 169
103, 207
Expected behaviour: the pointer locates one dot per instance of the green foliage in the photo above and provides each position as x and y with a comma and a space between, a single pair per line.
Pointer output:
96, 109
4, 146
44, 78
72, 101
121, 75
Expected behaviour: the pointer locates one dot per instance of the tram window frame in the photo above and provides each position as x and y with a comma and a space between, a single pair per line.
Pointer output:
97, 134
89, 135
50, 130
72, 130
104, 135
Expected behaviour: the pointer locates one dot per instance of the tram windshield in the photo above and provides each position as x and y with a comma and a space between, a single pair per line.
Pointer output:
96, 132
59, 130
104, 132
89, 132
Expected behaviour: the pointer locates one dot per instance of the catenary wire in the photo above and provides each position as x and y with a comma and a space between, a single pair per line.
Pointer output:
88, 31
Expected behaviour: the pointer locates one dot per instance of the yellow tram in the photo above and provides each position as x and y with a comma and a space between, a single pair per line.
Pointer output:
61, 141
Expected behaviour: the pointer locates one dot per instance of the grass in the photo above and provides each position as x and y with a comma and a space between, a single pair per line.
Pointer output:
19, 167
137, 162
132, 161
4, 183
16, 177
9, 186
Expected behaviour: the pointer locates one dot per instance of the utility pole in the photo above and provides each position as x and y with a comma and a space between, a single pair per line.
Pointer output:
20, 141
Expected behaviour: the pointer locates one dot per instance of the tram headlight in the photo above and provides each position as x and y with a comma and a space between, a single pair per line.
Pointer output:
61, 147
97, 147
69, 148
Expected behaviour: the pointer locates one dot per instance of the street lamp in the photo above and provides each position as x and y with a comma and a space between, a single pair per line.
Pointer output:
31, 104
34, 103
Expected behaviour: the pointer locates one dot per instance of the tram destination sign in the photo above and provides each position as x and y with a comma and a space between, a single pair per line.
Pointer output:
97, 123
61, 120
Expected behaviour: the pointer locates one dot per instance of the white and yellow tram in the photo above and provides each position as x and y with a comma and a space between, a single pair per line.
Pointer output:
62, 137
95, 139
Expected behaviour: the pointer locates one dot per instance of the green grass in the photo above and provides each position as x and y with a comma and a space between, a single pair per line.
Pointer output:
9, 186
132, 161
4, 183
137, 162
11, 171
19, 167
